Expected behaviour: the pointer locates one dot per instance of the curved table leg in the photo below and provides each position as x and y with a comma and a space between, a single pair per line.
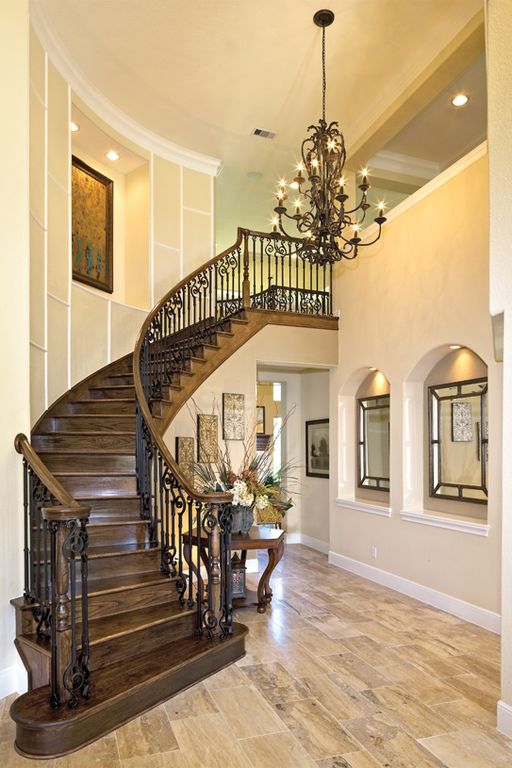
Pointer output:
277, 557
264, 589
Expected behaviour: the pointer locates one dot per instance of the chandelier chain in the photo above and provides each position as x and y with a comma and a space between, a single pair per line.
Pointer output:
324, 86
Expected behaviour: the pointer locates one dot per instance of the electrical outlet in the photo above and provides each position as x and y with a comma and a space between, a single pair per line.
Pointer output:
374, 552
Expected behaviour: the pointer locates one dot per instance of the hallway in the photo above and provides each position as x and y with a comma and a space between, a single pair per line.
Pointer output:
341, 673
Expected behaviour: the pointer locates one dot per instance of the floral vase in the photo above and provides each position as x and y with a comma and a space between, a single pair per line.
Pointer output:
243, 518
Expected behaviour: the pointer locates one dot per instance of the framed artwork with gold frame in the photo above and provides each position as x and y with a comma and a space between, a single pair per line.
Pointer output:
92, 196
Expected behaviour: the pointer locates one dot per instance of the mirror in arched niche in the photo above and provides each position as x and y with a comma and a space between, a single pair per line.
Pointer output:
456, 426
373, 437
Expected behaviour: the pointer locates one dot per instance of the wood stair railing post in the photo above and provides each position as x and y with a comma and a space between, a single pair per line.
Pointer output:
246, 285
68, 541
214, 611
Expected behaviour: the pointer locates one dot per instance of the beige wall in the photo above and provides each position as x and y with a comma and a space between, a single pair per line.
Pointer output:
14, 316
403, 302
315, 490
295, 346
499, 86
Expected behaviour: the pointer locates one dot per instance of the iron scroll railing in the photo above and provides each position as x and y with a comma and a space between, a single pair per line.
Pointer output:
261, 271
56, 575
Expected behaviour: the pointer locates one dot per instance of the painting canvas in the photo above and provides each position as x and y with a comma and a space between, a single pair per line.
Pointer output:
185, 456
260, 419
462, 422
207, 438
91, 227
317, 448
233, 416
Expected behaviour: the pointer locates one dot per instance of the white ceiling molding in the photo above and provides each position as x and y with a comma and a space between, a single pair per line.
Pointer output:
404, 164
104, 108
445, 176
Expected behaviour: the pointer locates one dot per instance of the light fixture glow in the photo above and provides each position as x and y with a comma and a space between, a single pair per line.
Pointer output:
371, 368
112, 154
455, 346
460, 99
74, 127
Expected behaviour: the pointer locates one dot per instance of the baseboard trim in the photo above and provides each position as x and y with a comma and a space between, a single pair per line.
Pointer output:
308, 541
13, 679
504, 719
467, 611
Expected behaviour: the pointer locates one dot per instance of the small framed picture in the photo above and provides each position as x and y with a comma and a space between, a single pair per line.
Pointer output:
317, 448
260, 419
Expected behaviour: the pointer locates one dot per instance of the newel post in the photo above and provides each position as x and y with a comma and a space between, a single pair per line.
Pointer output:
246, 285
68, 544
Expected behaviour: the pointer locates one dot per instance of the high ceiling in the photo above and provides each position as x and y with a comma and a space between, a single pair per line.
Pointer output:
205, 74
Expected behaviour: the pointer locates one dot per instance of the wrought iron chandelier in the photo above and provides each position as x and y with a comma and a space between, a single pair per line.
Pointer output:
329, 231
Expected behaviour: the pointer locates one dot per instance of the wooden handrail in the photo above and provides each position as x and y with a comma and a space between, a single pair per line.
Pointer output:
214, 497
23, 446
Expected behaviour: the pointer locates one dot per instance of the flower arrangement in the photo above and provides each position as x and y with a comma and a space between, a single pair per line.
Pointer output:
255, 485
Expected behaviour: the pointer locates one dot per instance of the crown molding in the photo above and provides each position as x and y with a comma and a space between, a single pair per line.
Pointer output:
406, 165
438, 181
107, 111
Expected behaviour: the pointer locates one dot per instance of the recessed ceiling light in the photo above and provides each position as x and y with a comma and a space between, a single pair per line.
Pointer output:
112, 154
74, 127
455, 346
460, 99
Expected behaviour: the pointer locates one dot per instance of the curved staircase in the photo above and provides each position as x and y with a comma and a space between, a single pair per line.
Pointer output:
112, 620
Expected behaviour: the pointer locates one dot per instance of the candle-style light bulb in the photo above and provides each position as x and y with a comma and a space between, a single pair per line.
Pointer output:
274, 222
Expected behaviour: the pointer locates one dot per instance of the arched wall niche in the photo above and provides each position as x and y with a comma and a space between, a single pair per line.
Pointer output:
363, 382
439, 365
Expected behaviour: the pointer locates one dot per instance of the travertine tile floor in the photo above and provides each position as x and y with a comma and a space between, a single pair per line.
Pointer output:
341, 673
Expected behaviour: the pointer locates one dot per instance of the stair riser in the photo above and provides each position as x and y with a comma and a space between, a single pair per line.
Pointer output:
118, 565
95, 486
96, 463
86, 443
114, 603
111, 392
97, 406
117, 534
119, 648
122, 508
91, 723
94, 423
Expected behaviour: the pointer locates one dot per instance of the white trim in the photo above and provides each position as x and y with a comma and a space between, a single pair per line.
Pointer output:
451, 524
307, 541
109, 332
182, 255
404, 164
58, 184
467, 611
196, 210
13, 679
56, 298
36, 94
151, 230
76, 284
504, 718
45, 277
318, 544
70, 238
167, 247
447, 175
364, 506
212, 222
107, 111
38, 346
36, 220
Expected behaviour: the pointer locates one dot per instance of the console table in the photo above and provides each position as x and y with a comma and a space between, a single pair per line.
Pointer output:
270, 539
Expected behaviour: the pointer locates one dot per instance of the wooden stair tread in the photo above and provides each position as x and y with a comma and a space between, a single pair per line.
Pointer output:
94, 472
88, 434
129, 581
109, 627
112, 550
116, 521
111, 684
95, 415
